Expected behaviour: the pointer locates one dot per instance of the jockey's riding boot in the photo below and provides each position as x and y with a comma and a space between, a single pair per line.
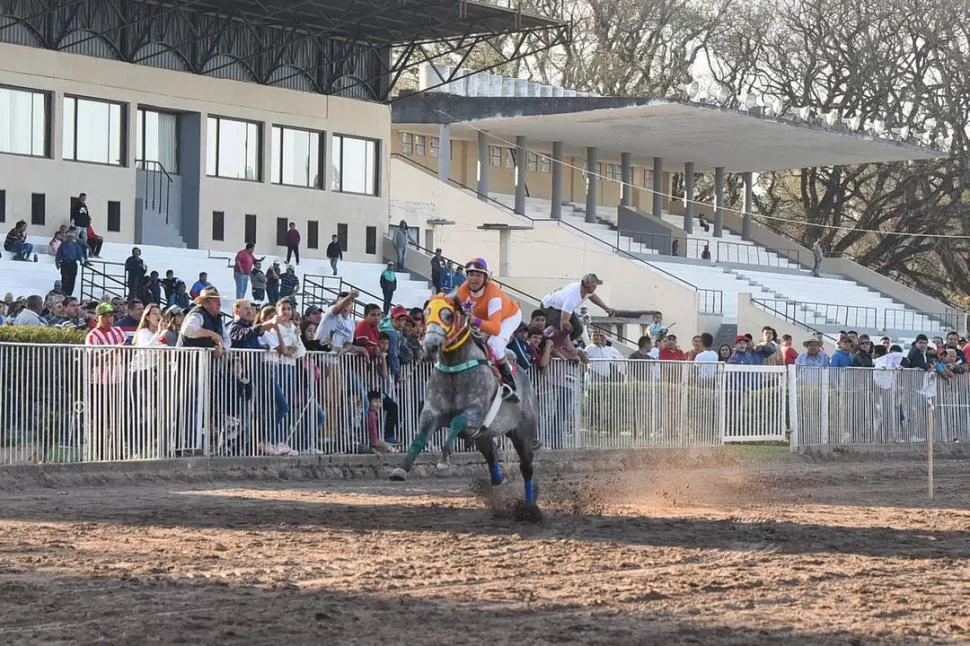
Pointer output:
509, 380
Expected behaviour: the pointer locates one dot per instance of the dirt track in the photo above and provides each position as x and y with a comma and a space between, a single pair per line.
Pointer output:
792, 553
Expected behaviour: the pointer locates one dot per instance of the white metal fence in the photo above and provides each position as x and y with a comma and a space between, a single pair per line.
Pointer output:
74, 403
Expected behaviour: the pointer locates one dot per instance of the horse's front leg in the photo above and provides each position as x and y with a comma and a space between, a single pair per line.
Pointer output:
429, 421
471, 420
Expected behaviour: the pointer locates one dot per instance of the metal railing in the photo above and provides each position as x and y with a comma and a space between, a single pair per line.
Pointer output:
783, 314
322, 291
927, 323
100, 278
158, 185
63, 403
850, 316
561, 224
749, 254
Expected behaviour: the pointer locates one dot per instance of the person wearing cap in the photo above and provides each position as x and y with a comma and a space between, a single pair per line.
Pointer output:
393, 326
200, 284
519, 345
843, 355
202, 327
561, 305
289, 283
813, 355
105, 332
388, 286
312, 314
747, 354
336, 329
494, 313
67, 258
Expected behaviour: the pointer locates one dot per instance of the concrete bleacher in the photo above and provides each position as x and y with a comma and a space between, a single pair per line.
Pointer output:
25, 278
738, 266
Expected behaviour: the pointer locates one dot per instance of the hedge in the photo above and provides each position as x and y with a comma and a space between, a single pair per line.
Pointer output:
40, 335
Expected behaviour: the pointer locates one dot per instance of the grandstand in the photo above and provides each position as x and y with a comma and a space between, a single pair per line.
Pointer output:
524, 151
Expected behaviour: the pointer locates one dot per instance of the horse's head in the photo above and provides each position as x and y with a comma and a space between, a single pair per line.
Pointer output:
445, 324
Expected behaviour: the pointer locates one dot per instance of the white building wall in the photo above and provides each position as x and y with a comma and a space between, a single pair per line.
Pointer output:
135, 86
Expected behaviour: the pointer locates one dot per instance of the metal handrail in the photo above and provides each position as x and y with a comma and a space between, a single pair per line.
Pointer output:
783, 315
155, 193
509, 289
89, 273
780, 258
564, 224
945, 321
862, 316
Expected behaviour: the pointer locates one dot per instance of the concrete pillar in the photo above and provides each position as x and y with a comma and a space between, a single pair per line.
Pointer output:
592, 176
748, 178
556, 181
689, 197
521, 164
483, 162
504, 241
626, 176
719, 202
444, 152
658, 186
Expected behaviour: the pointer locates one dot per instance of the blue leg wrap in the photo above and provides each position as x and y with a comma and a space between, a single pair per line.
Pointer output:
496, 472
530, 494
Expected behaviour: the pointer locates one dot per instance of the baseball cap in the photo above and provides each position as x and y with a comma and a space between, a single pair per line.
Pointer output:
313, 309
104, 308
740, 338
592, 279
399, 310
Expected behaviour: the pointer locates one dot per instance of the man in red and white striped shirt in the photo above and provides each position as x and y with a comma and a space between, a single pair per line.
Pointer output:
105, 333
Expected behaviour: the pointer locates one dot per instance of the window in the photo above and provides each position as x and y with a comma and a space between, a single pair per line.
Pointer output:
509, 158
114, 216
312, 235
533, 162
38, 208
435, 146
648, 178
495, 154
546, 164
451, 150
218, 225
94, 131
408, 143
419, 145
249, 235
281, 227
612, 171
156, 139
232, 149
3, 206
370, 242
355, 167
23, 122
342, 236
296, 157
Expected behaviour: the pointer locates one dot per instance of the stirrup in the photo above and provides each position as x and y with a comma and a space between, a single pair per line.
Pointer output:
509, 394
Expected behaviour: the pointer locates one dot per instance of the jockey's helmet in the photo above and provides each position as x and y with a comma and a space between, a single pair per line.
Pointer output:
478, 264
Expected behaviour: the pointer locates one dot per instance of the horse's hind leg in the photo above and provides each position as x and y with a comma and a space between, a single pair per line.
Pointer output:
523, 441
487, 447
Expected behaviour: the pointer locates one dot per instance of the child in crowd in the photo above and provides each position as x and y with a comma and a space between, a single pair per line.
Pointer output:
657, 327
374, 439
56, 241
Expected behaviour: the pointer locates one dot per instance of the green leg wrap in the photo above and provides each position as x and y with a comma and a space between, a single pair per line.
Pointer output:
458, 424
414, 451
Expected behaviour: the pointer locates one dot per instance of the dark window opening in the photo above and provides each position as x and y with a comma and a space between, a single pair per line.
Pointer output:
312, 235
3, 206
38, 209
250, 234
218, 225
371, 241
281, 231
114, 216
342, 236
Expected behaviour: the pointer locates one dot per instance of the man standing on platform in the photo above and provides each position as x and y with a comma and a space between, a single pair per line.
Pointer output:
69, 254
334, 253
292, 243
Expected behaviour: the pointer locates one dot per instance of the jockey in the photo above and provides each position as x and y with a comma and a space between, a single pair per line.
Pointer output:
494, 313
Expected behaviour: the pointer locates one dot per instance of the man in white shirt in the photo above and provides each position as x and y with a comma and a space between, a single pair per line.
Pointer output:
30, 315
337, 325
707, 355
561, 305
603, 358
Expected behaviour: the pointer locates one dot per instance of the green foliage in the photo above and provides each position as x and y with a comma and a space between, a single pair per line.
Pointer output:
40, 335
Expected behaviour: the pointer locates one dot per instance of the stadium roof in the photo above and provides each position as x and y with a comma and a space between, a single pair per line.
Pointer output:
709, 136
388, 22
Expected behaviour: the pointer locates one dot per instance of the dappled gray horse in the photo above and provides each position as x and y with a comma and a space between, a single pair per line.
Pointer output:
463, 393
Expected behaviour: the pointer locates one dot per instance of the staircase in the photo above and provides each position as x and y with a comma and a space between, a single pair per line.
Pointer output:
158, 207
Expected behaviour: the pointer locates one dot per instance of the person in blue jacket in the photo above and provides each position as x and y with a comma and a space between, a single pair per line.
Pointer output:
843, 356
